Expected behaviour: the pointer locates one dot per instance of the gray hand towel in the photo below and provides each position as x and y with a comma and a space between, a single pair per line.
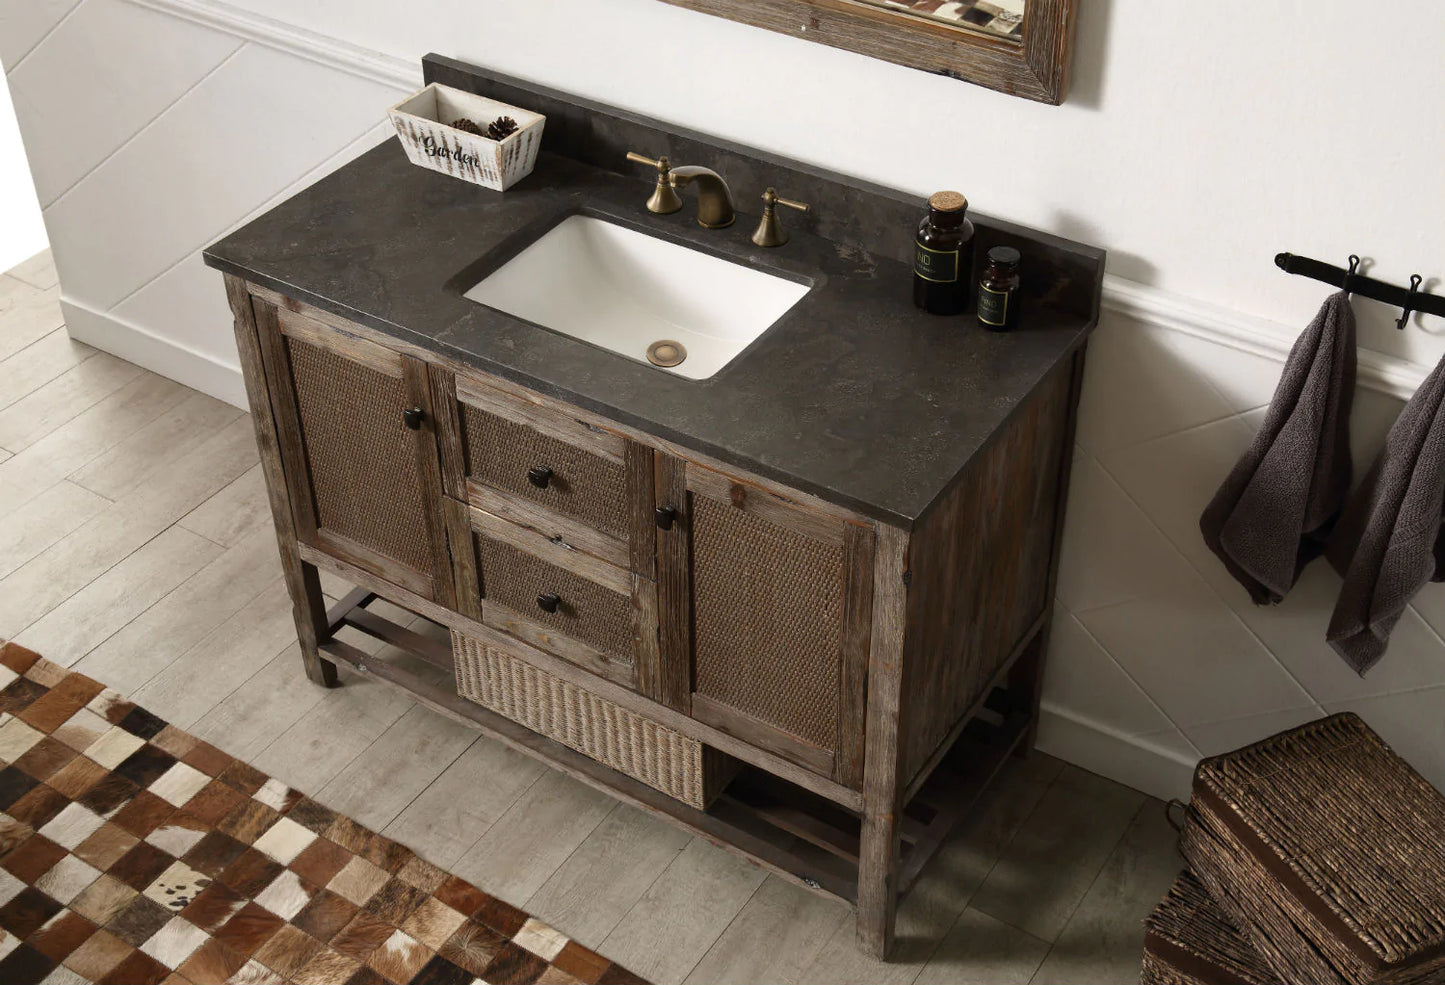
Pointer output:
1388, 542
1273, 513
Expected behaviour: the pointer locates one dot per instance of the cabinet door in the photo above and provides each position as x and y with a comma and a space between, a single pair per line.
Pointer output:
767, 604
359, 450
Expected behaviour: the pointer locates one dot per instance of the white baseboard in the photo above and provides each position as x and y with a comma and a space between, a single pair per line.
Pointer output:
166, 357
1130, 760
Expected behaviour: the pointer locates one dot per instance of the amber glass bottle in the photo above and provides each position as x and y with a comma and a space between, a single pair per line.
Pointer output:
943, 256
998, 290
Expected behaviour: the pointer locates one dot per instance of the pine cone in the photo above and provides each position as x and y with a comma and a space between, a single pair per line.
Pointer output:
467, 126
502, 127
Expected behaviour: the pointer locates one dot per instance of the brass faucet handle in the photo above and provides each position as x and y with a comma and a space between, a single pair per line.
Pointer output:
665, 199
770, 230
661, 163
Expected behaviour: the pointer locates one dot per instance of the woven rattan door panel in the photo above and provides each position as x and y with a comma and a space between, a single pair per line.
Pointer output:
361, 493
768, 628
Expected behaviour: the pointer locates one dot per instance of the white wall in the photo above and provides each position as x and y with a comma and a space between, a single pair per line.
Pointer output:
1200, 140
22, 232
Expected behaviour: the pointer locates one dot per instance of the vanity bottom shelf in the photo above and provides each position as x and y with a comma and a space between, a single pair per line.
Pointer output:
778, 825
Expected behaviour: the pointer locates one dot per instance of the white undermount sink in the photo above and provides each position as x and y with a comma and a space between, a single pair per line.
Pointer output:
627, 291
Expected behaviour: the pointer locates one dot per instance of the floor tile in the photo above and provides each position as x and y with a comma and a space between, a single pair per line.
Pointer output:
1056, 855
778, 933
85, 620
187, 614
33, 416
1104, 937
340, 727
39, 467
979, 950
164, 440
400, 763
226, 658
233, 513
38, 363
38, 271
30, 529
458, 807
607, 874
688, 907
519, 853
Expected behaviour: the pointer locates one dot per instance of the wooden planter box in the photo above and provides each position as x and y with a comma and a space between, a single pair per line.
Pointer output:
423, 121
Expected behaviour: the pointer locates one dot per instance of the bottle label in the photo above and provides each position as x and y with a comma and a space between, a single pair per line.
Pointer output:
993, 306
939, 266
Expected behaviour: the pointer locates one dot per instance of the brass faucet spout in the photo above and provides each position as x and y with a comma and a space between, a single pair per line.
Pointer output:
714, 200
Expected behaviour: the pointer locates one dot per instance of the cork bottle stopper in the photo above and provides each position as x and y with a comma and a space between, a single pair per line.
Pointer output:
947, 202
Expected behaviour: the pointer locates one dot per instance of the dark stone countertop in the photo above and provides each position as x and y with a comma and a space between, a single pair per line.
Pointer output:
853, 396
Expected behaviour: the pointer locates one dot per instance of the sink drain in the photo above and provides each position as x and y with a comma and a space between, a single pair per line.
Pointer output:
666, 352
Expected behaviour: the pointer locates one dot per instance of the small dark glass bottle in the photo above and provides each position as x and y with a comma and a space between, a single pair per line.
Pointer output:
943, 256
998, 290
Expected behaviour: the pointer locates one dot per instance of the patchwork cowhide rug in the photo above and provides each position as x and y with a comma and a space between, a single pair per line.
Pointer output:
132, 852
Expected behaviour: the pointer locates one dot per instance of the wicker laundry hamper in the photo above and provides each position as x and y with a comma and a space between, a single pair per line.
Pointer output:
1328, 850
1188, 940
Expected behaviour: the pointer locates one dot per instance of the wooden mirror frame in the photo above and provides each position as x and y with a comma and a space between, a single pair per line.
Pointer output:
1036, 68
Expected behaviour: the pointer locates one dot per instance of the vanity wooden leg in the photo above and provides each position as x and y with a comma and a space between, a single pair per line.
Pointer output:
1026, 680
302, 582
882, 785
309, 607
1026, 685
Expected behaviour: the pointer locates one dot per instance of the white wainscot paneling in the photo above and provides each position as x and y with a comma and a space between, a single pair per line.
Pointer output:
1193, 656
1160, 763
1083, 678
24, 22
185, 308
1147, 596
1112, 552
1144, 383
100, 77
1294, 631
1220, 737
1173, 478
1412, 723
250, 128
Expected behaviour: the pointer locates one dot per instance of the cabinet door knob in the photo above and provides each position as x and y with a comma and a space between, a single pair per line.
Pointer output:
539, 476
665, 517
548, 602
412, 417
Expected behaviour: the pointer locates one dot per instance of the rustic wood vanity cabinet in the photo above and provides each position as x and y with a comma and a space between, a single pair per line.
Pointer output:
821, 691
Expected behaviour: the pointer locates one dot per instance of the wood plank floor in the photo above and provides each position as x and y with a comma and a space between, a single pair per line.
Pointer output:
136, 545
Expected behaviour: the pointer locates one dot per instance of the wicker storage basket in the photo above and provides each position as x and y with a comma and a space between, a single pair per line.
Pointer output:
630, 743
1329, 850
1188, 940
422, 122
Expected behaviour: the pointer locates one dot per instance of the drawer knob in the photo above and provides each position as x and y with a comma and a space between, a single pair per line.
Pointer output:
539, 476
665, 517
548, 602
412, 417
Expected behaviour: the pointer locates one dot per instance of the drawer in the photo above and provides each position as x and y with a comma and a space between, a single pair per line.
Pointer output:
617, 737
545, 458
582, 609
551, 596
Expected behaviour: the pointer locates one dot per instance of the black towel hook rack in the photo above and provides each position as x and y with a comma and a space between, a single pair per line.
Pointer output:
1351, 282
1409, 301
